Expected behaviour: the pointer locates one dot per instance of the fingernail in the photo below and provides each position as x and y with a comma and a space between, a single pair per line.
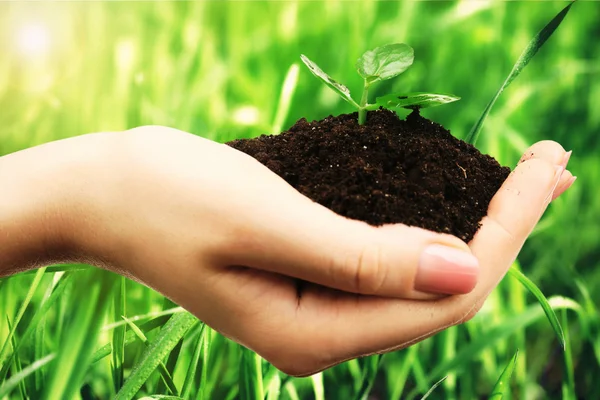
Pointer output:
566, 158
446, 270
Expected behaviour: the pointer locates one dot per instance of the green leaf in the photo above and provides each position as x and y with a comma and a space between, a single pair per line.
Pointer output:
335, 86
166, 340
385, 62
530, 51
502, 385
416, 100
550, 314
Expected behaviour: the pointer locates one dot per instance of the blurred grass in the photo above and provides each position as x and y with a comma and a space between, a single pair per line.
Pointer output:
217, 69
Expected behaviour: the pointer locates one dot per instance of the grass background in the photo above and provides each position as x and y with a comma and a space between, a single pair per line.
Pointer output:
217, 69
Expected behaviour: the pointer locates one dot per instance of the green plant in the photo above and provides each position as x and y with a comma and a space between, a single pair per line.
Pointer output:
379, 64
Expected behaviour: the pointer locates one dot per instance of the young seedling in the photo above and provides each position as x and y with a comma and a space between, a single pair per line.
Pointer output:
376, 65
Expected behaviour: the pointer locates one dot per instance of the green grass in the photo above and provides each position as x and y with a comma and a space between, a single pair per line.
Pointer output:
227, 70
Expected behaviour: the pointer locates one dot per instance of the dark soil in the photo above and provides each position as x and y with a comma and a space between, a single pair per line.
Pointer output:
389, 170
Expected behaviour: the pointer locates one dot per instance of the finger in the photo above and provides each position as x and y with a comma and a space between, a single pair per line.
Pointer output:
552, 152
566, 181
545, 150
307, 241
515, 210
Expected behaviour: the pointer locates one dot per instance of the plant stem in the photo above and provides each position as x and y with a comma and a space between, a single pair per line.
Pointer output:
362, 110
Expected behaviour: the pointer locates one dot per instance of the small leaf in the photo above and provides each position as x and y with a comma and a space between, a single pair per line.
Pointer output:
337, 87
550, 314
502, 385
416, 100
385, 62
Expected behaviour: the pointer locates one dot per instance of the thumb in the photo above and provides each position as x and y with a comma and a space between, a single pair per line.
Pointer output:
304, 240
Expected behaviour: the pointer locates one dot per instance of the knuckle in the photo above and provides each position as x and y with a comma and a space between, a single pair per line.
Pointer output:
368, 270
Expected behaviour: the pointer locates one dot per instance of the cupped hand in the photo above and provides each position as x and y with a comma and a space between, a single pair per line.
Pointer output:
224, 237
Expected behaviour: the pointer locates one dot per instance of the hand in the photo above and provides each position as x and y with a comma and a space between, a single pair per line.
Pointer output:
224, 237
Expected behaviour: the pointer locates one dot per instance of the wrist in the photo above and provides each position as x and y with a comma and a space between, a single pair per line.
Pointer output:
37, 207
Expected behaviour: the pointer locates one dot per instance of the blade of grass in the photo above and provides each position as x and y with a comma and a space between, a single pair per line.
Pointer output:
285, 98
38, 317
168, 370
17, 363
400, 378
592, 322
518, 304
292, 392
79, 334
166, 340
162, 369
317, 384
10, 384
502, 386
568, 385
118, 342
370, 368
270, 374
32, 288
530, 51
435, 385
533, 289
251, 381
191, 373
354, 369
274, 388
61, 268
130, 337
206, 346
136, 318
450, 336
508, 327
39, 349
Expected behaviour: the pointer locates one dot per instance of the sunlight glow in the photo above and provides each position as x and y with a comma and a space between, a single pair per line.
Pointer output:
33, 39
246, 115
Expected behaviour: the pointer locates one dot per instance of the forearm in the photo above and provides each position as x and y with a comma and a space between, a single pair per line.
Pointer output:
34, 209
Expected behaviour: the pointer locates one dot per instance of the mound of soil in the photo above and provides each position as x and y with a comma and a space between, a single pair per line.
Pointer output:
389, 170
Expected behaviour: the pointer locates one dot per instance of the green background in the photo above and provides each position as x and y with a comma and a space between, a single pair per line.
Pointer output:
217, 69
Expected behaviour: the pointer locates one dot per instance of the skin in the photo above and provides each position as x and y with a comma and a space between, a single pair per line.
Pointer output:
224, 237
